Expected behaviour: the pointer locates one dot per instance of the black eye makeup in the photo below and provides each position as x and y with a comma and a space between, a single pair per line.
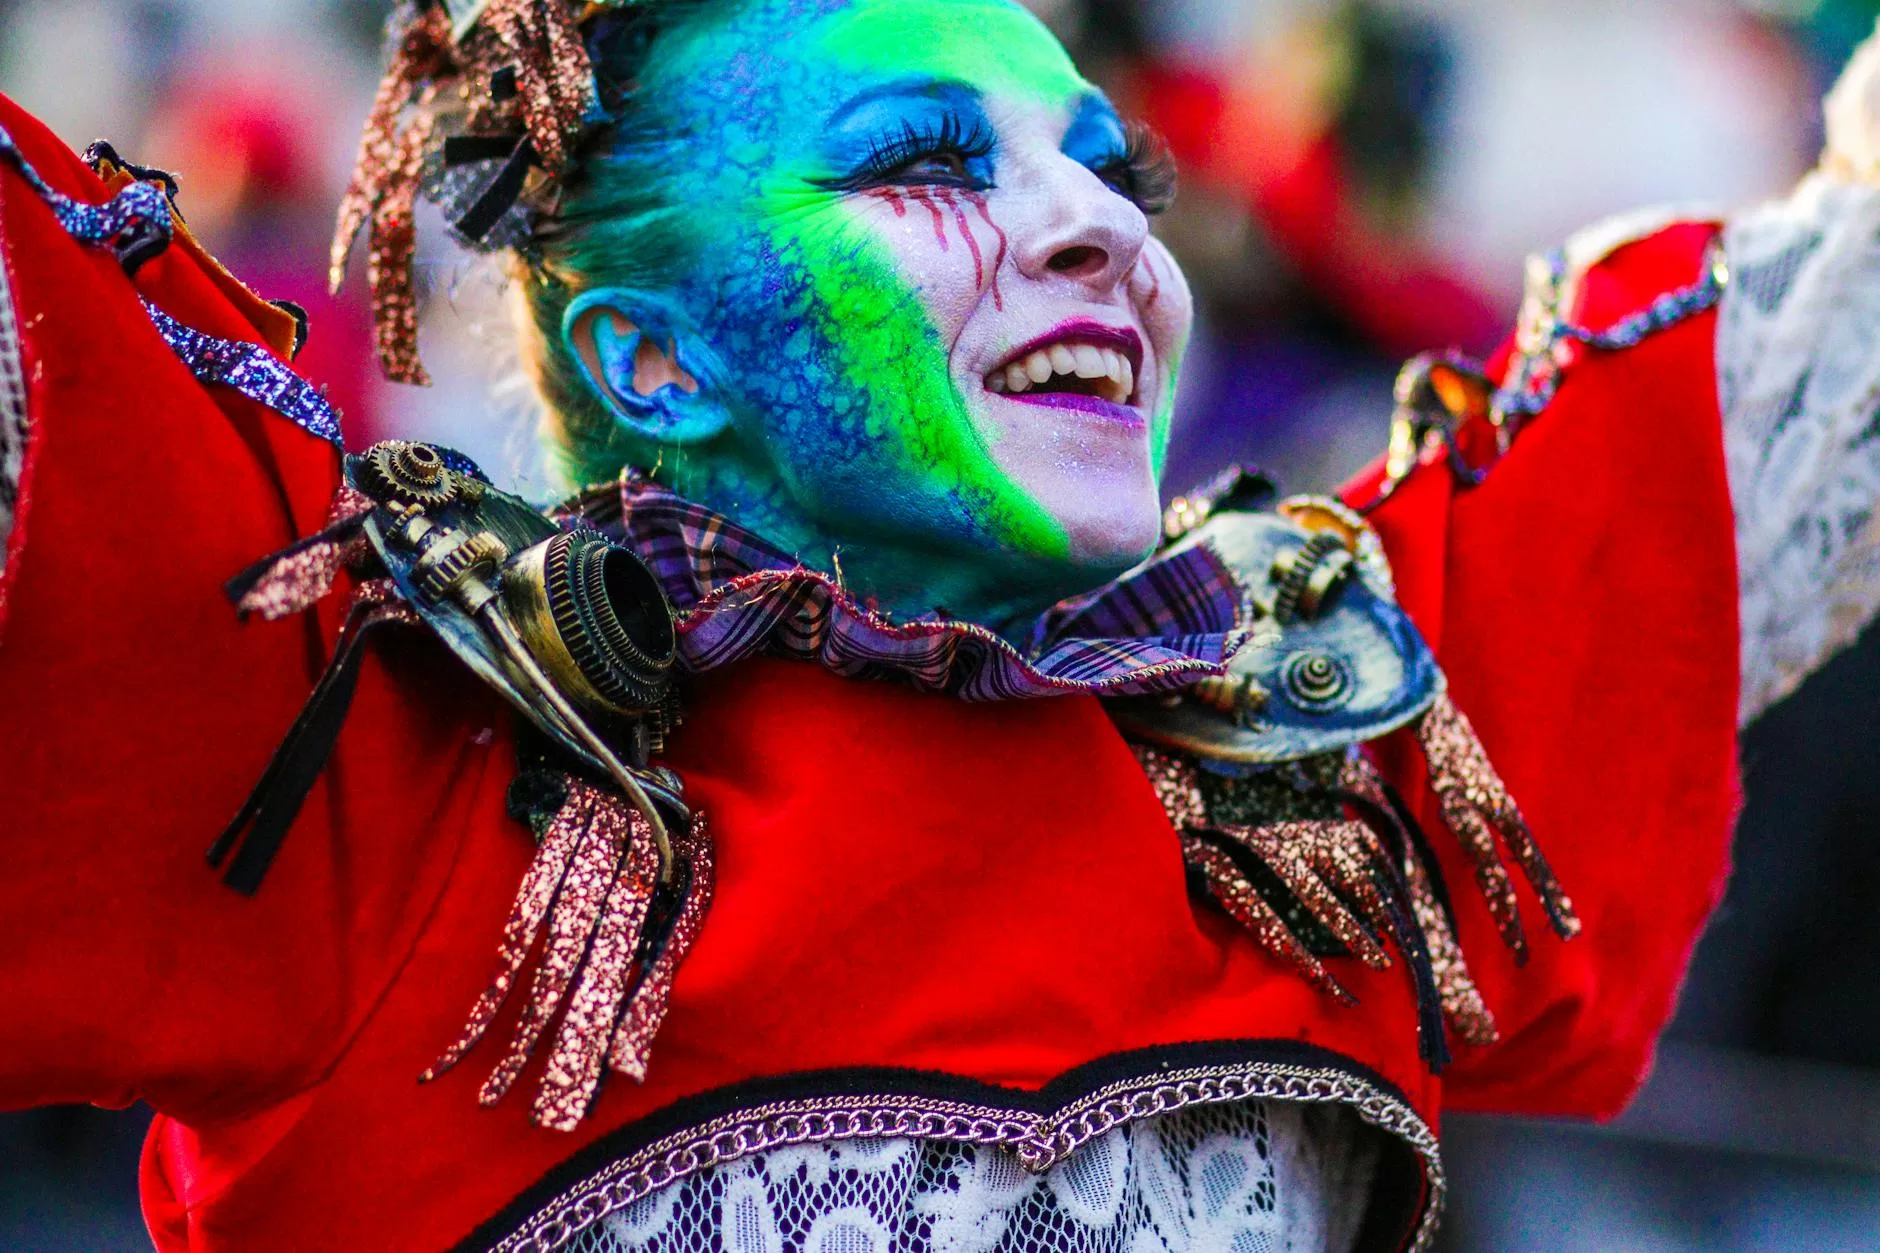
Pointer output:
1143, 171
911, 134
950, 152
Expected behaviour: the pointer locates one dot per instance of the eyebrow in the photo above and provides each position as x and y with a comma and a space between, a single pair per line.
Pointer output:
943, 90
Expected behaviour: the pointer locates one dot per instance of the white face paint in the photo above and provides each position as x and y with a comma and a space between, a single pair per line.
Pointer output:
1064, 319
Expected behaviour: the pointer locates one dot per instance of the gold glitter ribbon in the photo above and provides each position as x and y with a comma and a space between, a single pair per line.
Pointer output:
554, 98
305, 574
383, 191
594, 886
1338, 872
554, 77
1478, 808
1236, 894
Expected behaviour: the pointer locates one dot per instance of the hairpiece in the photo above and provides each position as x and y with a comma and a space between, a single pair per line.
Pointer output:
482, 108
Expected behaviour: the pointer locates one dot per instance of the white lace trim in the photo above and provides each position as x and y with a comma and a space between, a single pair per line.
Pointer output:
1798, 365
1253, 1177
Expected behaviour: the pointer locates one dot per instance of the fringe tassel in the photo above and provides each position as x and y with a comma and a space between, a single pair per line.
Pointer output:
534, 46
595, 885
390, 257
555, 77
1328, 866
1311, 889
1463, 1007
384, 189
673, 940
423, 53
1229, 882
1476, 805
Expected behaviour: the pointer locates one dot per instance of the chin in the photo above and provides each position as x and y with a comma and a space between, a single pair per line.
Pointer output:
1115, 535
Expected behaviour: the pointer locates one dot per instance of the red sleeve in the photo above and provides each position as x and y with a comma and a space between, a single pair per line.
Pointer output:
136, 712
1583, 603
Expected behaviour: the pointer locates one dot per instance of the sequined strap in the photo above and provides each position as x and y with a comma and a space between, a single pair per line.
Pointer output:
138, 223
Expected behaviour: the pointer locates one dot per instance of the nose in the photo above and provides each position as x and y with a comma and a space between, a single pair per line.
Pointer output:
1081, 232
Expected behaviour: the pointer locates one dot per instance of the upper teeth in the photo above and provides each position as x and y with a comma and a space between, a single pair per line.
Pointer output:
1117, 378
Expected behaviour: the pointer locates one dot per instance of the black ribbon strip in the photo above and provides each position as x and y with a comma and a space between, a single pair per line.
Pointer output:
1394, 886
503, 191
270, 810
1312, 934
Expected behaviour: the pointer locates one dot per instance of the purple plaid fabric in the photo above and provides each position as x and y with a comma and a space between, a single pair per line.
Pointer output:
1160, 628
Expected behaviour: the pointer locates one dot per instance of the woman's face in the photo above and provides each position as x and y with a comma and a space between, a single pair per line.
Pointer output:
926, 291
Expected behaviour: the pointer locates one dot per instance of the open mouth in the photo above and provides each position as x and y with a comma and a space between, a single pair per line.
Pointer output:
1079, 361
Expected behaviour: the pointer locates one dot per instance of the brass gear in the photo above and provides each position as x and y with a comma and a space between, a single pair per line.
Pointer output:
440, 571
412, 474
1308, 575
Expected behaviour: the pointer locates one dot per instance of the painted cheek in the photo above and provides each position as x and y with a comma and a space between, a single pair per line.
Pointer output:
957, 215
895, 351
1159, 293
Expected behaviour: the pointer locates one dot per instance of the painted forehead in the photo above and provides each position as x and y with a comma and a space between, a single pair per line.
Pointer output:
821, 55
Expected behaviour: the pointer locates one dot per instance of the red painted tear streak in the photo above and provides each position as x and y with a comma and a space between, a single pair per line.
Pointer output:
972, 240
1155, 282
978, 201
893, 197
924, 195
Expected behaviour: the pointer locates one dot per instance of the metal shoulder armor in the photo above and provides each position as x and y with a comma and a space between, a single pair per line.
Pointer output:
1332, 661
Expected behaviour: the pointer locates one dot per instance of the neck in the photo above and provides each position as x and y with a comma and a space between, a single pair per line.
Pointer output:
903, 576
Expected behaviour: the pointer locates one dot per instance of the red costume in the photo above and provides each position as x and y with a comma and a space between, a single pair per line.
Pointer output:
934, 917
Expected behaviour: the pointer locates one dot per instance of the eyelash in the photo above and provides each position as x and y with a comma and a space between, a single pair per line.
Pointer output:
1145, 170
890, 160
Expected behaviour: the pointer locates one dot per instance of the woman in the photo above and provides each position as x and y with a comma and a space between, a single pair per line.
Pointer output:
866, 290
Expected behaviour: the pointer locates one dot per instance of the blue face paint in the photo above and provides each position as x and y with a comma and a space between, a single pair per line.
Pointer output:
795, 143
880, 130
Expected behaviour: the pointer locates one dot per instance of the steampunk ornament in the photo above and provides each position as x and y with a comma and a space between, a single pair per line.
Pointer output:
1262, 771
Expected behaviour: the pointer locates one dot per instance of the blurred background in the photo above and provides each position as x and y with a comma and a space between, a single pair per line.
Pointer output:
1361, 180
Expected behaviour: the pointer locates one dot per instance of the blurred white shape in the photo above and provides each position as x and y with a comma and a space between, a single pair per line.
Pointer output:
1566, 111
1853, 117
71, 63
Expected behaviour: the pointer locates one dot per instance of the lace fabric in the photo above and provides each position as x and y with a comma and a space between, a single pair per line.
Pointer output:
1253, 1177
1798, 364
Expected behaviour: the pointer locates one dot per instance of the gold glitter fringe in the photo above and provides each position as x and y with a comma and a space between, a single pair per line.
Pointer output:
1477, 807
593, 884
1463, 1008
1319, 861
555, 95
554, 77
1329, 868
1245, 905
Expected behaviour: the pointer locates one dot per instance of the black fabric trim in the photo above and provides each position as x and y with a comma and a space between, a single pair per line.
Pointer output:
500, 196
1400, 1193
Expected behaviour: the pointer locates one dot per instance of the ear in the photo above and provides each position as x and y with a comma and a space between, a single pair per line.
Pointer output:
642, 367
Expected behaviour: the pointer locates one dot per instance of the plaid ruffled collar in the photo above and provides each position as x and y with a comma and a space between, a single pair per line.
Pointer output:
1162, 627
